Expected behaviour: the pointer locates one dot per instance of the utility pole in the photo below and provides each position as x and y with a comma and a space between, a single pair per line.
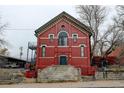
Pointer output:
21, 53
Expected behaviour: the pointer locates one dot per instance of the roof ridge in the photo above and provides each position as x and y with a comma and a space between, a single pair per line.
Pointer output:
59, 16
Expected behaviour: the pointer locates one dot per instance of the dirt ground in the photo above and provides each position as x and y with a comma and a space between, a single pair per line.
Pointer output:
84, 84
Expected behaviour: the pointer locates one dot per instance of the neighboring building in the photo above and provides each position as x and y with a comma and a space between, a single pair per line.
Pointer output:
64, 41
11, 62
118, 53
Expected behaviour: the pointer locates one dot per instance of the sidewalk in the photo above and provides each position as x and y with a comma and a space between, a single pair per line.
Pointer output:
87, 84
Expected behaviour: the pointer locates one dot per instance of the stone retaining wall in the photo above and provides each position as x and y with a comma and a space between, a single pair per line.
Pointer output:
11, 75
109, 75
58, 74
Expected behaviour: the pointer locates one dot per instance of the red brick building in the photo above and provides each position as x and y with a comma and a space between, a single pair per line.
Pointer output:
64, 41
118, 53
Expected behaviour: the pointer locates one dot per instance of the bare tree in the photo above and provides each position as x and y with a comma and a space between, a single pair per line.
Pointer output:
93, 16
4, 51
111, 39
106, 41
119, 20
3, 42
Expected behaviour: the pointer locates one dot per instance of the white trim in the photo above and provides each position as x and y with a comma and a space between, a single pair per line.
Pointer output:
75, 39
48, 27
74, 34
54, 46
82, 50
68, 37
46, 57
83, 31
80, 45
43, 45
46, 45
79, 57
63, 55
63, 46
82, 37
83, 45
44, 38
49, 36
75, 46
62, 31
50, 46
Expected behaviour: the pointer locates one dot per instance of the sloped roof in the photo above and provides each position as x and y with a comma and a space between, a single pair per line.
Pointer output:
117, 51
69, 17
9, 57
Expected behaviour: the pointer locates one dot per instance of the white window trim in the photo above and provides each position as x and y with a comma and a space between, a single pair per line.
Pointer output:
42, 51
43, 45
62, 31
74, 34
67, 37
82, 45
74, 39
49, 36
82, 53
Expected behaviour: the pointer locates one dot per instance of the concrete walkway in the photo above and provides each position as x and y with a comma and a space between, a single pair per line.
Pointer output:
87, 84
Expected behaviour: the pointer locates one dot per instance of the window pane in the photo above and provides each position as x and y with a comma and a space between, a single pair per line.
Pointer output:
62, 39
75, 37
43, 51
51, 37
82, 51
65, 41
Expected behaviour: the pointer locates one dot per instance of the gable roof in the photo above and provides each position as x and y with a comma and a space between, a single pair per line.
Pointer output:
69, 17
118, 50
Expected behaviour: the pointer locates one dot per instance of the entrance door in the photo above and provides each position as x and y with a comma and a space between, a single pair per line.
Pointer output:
63, 60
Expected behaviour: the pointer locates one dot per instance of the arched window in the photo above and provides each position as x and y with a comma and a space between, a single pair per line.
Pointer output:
82, 50
62, 38
43, 51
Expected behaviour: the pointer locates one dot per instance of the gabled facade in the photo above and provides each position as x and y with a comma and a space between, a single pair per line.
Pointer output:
63, 41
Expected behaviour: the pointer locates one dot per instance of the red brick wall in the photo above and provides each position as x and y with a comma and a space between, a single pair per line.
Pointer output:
72, 51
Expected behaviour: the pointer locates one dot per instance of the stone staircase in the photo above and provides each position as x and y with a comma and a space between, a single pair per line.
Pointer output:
58, 73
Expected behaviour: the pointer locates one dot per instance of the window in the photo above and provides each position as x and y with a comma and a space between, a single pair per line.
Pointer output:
51, 37
82, 50
74, 36
43, 51
62, 38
